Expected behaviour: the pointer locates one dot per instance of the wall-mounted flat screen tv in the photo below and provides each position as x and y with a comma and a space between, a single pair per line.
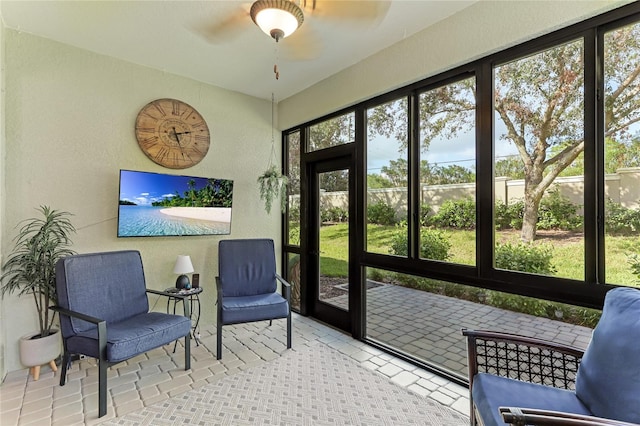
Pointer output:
157, 204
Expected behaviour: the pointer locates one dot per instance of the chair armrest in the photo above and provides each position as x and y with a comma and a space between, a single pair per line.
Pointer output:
219, 291
533, 416
523, 358
183, 297
68, 312
219, 287
219, 312
167, 294
100, 323
286, 288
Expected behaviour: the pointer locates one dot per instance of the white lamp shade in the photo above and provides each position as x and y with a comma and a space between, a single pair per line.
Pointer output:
272, 18
183, 265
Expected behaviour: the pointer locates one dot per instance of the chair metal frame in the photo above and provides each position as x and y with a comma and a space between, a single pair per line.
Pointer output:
518, 416
103, 363
286, 293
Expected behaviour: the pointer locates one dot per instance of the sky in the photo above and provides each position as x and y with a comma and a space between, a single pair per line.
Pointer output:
443, 152
143, 188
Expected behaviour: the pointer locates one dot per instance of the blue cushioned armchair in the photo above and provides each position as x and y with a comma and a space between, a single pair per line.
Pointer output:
247, 286
527, 381
104, 313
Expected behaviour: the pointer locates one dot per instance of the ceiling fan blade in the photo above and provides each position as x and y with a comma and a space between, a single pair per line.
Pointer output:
216, 31
303, 45
363, 11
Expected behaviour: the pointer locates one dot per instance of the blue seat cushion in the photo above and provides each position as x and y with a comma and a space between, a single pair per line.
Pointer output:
608, 380
254, 308
490, 392
136, 335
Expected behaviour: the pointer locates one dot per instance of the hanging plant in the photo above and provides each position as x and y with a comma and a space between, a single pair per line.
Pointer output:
273, 185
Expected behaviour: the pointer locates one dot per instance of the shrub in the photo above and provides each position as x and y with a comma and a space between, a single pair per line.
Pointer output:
376, 274
294, 235
621, 220
334, 214
543, 308
419, 283
558, 212
381, 213
501, 218
459, 214
525, 257
294, 213
426, 213
399, 241
509, 216
433, 244
516, 303
581, 316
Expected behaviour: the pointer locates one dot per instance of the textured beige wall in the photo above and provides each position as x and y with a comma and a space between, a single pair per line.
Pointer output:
3, 323
630, 187
622, 187
70, 129
484, 28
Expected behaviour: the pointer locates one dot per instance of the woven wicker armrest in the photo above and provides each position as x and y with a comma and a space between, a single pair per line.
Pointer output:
522, 358
530, 416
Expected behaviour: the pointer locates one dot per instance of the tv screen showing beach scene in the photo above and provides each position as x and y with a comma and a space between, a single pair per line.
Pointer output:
156, 204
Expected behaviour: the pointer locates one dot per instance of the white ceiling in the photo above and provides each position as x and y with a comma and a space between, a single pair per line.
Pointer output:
176, 37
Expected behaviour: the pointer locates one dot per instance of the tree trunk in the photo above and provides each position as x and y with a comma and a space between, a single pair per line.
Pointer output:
530, 219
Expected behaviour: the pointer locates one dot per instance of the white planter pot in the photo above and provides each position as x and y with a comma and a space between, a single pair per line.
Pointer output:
43, 350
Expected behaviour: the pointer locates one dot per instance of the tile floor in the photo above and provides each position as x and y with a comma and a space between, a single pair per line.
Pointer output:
159, 374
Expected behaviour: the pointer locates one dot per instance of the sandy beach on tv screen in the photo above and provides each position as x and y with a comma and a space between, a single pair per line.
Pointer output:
213, 214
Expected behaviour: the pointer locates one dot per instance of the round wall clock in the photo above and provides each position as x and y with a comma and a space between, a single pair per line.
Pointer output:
172, 133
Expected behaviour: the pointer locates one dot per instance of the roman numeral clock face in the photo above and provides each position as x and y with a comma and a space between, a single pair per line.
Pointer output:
172, 133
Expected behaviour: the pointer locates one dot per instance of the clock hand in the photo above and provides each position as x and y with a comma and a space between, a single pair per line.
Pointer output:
175, 134
178, 140
183, 133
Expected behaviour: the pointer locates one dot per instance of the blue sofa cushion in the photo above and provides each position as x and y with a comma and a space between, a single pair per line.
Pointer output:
608, 380
92, 284
136, 335
247, 267
490, 392
254, 308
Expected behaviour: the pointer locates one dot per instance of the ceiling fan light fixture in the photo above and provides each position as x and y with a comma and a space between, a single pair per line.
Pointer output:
277, 18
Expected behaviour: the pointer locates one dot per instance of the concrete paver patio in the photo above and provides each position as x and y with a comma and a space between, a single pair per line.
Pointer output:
427, 325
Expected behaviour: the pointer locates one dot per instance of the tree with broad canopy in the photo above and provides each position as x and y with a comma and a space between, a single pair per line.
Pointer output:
539, 100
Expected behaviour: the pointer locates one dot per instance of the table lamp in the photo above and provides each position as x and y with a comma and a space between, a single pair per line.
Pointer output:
183, 266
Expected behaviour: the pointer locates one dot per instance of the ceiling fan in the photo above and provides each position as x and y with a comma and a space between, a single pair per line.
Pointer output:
282, 18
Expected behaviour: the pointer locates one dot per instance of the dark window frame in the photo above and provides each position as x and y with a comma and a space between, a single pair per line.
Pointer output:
588, 292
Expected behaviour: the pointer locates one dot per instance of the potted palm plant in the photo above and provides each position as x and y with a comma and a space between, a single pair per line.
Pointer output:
30, 270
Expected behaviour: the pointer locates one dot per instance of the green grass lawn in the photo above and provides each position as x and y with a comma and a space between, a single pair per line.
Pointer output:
334, 250
568, 253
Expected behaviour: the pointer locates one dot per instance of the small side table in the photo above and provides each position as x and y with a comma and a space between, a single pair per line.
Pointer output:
193, 297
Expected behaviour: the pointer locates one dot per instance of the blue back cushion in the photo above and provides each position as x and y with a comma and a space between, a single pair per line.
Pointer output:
109, 286
608, 381
247, 267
